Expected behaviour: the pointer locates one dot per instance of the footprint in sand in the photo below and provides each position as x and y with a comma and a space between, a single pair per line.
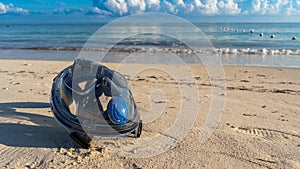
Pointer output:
261, 75
249, 115
22, 71
140, 79
266, 133
152, 77
281, 119
255, 131
27, 64
198, 78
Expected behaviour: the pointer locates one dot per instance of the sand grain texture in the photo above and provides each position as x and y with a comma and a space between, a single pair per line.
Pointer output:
259, 128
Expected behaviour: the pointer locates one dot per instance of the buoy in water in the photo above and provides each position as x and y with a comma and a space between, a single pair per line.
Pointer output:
272, 36
252, 31
261, 34
294, 38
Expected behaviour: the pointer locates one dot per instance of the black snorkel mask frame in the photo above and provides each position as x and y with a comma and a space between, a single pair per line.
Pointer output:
89, 118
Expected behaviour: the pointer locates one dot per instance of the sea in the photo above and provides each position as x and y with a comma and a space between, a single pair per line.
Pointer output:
246, 44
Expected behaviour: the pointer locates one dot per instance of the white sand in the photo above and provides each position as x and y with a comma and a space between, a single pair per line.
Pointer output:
259, 127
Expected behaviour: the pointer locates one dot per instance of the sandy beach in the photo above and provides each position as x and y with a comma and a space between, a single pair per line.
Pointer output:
258, 129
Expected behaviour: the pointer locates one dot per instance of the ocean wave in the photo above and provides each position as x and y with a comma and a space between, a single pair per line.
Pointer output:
264, 51
52, 48
220, 51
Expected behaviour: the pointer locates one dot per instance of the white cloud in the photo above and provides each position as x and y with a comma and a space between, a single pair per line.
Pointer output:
169, 7
153, 4
11, 9
198, 3
3, 9
66, 11
229, 8
278, 6
180, 3
204, 7
291, 10
260, 6
210, 7
60, 3
118, 7
97, 11
273, 7
136, 6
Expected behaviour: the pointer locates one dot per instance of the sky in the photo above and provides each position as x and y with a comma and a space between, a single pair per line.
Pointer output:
99, 10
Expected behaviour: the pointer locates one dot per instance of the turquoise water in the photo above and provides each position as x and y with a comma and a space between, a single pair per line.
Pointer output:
233, 42
233, 35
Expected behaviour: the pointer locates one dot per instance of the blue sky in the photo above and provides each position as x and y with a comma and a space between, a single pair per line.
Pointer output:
97, 10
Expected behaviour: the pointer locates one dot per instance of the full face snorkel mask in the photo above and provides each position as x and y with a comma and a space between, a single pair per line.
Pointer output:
88, 99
